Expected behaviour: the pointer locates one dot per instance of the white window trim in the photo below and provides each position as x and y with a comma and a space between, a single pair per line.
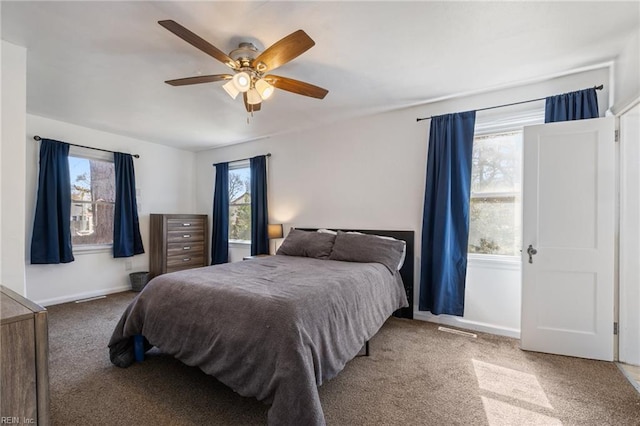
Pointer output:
486, 125
91, 154
502, 123
505, 194
494, 261
92, 248
242, 164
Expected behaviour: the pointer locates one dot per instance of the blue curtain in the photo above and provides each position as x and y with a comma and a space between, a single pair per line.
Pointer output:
220, 232
126, 225
571, 106
51, 240
445, 221
259, 212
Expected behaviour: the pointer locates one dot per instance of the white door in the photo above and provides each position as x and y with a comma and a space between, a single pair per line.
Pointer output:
569, 222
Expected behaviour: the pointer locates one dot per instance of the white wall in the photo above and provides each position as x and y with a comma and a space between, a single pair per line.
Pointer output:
627, 73
165, 178
1, 168
369, 173
12, 210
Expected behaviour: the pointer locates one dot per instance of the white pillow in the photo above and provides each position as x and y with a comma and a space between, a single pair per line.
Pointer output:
327, 231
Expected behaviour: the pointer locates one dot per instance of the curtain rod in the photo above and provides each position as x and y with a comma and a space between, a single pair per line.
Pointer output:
506, 105
268, 154
37, 138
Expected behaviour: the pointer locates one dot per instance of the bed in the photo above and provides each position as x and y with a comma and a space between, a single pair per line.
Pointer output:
276, 327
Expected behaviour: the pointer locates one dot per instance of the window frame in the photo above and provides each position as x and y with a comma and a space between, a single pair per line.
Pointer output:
509, 119
235, 165
91, 154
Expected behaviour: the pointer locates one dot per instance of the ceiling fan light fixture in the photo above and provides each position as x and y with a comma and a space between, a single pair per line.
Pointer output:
230, 88
242, 81
253, 97
249, 66
264, 89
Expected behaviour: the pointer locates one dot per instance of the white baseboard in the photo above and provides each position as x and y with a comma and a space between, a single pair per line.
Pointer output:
628, 372
467, 325
79, 296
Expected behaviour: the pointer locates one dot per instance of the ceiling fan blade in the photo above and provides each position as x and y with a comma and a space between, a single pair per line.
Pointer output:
198, 42
199, 79
283, 51
248, 106
295, 86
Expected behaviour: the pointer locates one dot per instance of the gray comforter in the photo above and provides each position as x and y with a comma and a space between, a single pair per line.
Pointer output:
274, 328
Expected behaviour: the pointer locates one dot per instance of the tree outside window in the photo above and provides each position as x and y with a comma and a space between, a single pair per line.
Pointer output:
92, 201
240, 204
495, 209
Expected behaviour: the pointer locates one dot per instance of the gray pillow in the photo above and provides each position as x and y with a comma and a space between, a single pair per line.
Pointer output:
367, 248
307, 244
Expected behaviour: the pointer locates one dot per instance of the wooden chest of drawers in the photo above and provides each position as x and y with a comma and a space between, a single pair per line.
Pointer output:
24, 360
178, 241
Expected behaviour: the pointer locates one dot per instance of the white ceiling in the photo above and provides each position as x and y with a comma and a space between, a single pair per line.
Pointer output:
103, 64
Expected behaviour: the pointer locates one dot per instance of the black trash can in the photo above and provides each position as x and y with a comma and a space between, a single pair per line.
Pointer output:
138, 280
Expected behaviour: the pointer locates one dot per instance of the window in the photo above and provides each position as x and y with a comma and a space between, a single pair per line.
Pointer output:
240, 203
93, 193
495, 213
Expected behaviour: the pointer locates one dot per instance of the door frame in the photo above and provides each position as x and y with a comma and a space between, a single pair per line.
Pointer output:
628, 342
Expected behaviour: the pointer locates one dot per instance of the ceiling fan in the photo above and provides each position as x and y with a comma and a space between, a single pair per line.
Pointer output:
250, 65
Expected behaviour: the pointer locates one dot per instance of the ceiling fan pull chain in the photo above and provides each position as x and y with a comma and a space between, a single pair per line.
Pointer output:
250, 114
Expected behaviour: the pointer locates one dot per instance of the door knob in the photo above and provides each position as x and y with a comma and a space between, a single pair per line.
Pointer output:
531, 251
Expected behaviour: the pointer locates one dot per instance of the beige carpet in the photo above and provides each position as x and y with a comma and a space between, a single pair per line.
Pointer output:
416, 375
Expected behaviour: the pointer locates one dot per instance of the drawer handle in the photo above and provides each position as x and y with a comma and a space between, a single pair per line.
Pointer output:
186, 236
186, 224
186, 247
186, 259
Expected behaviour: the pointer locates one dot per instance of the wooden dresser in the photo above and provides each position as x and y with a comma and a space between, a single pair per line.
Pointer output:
178, 241
24, 360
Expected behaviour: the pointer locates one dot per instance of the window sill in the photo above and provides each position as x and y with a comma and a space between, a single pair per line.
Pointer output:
239, 243
92, 249
494, 261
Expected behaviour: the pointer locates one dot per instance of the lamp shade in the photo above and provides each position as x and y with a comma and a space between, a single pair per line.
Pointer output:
264, 88
275, 231
242, 81
253, 97
230, 88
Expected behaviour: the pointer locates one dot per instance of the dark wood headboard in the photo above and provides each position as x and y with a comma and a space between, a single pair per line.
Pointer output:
406, 272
